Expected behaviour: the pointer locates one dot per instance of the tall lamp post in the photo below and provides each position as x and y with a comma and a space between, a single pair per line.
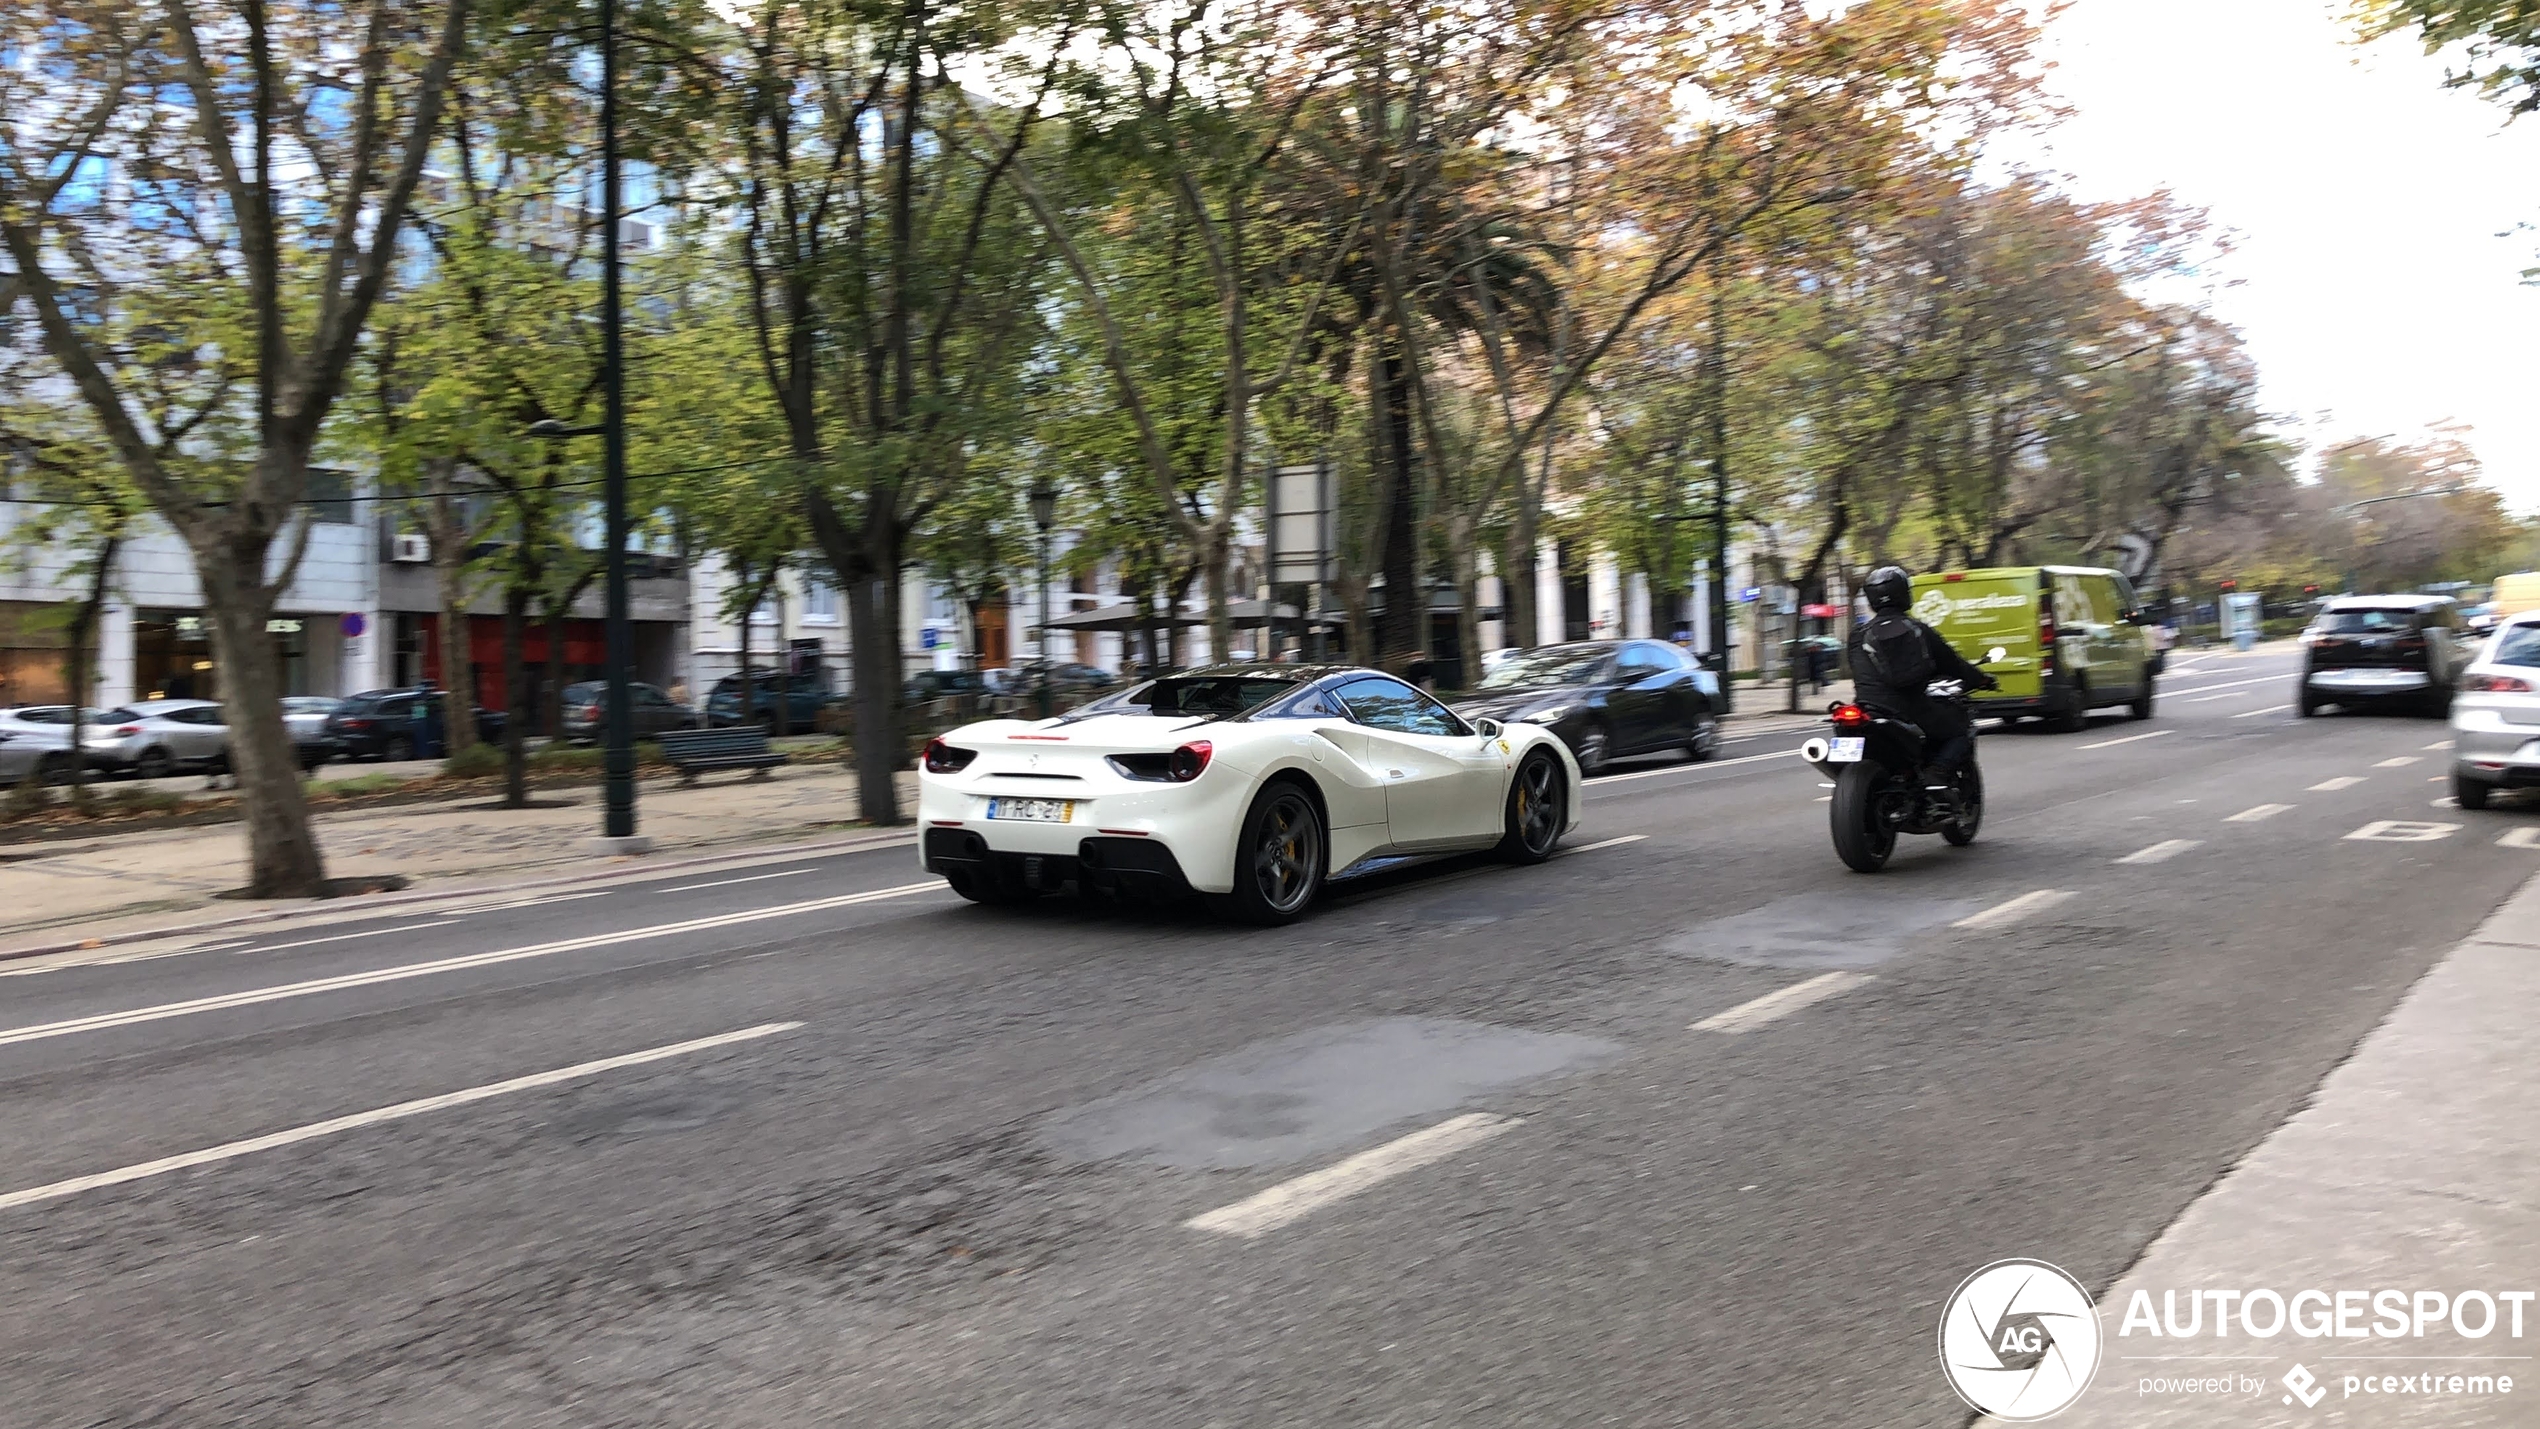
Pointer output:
617, 822
1044, 511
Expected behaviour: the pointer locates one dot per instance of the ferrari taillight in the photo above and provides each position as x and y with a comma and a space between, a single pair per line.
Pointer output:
1189, 761
2497, 684
942, 758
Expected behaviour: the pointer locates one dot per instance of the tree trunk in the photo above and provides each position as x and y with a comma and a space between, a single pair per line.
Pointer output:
1468, 607
78, 675
458, 652
746, 712
283, 860
1404, 631
552, 717
515, 700
1518, 621
1221, 626
1358, 618
873, 620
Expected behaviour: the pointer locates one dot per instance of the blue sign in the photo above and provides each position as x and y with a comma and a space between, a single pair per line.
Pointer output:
929, 638
1751, 594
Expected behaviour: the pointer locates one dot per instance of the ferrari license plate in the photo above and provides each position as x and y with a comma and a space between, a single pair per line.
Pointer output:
1844, 751
1033, 811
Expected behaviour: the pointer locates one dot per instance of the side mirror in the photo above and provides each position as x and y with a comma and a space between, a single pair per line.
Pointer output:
1490, 728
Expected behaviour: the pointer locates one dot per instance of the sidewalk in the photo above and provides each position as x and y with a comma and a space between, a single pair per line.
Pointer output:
115, 884
2416, 1168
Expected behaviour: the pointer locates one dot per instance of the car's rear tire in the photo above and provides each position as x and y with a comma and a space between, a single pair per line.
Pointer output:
1279, 858
1538, 809
396, 748
154, 763
1861, 838
2142, 706
1705, 741
2074, 712
2470, 793
2307, 705
52, 770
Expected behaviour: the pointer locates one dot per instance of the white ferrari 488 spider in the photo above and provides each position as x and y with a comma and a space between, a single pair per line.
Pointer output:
1250, 784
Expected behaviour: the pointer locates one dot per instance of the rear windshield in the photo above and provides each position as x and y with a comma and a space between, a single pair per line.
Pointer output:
2519, 645
1560, 665
119, 716
1198, 695
2362, 622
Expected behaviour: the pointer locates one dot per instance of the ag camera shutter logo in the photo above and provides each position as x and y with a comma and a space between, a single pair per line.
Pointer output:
2019, 1340
1933, 608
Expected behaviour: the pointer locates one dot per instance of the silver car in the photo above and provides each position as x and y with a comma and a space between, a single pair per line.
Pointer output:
152, 739
34, 750
2496, 715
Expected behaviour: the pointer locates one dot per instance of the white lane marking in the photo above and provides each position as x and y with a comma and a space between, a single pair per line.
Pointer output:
728, 882
1268, 1210
1604, 779
2403, 831
2271, 709
2527, 836
2255, 812
2004, 912
342, 937
38, 1032
2440, 744
2402, 762
2225, 685
2163, 851
2331, 786
1608, 843
1779, 1003
2129, 739
229, 1150
2225, 695
538, 902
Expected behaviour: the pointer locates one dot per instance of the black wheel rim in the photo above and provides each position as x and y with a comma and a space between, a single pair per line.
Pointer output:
1538, 804
1288, 855
1592, 750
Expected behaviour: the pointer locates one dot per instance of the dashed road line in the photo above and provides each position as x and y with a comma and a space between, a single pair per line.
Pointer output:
2524, 836
2009, 909
2129, 739
2255, 812
1607, 843
1780, 1003
2271, 709
2331, 786
340, 937
1604, 779
41, 1031
2440, 744
2404, 831
2402, 762
2163, 851
1268, 1210
728, 882
2225, 685
231, 1150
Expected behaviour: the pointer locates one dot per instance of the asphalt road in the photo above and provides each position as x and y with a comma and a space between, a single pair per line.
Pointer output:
938, 1171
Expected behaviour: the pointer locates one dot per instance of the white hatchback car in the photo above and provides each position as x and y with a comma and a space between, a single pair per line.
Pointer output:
2496, 715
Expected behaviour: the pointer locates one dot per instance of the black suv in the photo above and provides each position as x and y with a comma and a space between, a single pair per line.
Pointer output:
381, 724
2363, 651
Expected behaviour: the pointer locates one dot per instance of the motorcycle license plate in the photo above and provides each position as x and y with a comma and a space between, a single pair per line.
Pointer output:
1034, 811
1845, 751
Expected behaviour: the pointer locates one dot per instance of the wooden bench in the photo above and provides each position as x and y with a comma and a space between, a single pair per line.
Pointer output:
699, 751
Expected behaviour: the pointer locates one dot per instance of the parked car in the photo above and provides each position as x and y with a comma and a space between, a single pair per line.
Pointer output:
35, 751
585, 710
152, 739
779, 704
2072, 637
381, 724
2363, 651
1605, 699
928, 687
1070, 684
305, 716
2496, 715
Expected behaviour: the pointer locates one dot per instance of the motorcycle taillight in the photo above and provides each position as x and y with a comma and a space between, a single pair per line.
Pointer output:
1848, 715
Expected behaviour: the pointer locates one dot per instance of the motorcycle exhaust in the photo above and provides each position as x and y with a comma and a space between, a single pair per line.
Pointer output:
1814, 751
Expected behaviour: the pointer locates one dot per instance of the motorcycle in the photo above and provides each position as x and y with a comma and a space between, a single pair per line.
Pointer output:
1876, 761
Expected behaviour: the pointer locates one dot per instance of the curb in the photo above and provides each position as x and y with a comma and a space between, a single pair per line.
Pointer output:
364, 904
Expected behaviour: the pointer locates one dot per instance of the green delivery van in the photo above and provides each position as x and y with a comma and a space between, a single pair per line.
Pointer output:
2073, 638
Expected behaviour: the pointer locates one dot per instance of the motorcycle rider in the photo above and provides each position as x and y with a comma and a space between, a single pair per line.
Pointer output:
1895, 657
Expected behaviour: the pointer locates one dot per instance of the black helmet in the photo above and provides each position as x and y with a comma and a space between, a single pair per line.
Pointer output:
1889, 588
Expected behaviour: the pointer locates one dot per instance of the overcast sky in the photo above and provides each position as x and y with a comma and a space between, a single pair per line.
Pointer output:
2372, 283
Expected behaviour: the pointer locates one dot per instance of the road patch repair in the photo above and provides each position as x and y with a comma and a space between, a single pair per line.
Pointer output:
1825, 931
1282, 1101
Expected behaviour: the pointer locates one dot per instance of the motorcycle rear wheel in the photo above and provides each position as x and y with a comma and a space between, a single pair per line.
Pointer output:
1862, 839
1961, 831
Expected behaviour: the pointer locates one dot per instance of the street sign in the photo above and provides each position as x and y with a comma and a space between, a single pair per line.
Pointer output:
1300, 514
1751, 594
929, 637
352, 624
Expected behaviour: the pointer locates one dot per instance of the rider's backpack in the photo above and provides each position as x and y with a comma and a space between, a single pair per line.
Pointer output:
1893, 646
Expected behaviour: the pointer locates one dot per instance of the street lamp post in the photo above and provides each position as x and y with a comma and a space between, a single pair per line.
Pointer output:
617, 780
1044, 511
